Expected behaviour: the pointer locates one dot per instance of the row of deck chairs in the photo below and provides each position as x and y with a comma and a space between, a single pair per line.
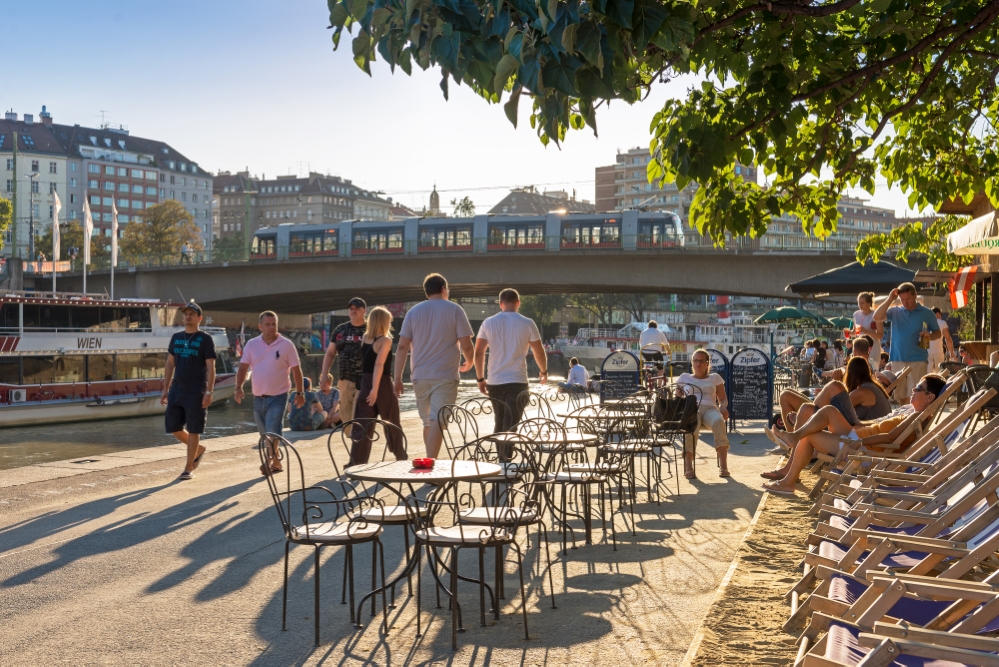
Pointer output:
901, 568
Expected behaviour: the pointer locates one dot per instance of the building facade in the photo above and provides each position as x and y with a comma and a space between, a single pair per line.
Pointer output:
308, 200
107, 166
528, 201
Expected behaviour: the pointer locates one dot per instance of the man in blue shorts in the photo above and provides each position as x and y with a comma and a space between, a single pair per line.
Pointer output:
188, 383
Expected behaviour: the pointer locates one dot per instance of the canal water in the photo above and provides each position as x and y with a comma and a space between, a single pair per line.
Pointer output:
30, 445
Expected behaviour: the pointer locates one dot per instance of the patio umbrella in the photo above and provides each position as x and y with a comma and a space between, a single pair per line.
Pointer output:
783, 314
842, 322
818, 319
978, 237
880, 277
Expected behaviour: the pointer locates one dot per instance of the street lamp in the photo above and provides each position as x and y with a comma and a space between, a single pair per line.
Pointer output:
31, 213
246, 220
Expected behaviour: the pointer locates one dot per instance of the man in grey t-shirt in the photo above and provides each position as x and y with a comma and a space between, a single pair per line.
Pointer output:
435, 330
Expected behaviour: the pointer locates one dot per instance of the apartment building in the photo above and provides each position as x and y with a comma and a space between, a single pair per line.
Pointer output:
313, 199
106, 165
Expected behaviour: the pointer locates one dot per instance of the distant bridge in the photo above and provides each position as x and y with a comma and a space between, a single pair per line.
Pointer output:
321, 283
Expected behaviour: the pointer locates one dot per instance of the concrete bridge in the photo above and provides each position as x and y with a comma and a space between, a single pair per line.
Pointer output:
315, 284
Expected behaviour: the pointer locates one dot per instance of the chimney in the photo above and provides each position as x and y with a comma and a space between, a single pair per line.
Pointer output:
45, 117
10, 115
29, 119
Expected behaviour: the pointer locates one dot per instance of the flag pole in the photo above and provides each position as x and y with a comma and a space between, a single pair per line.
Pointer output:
114, 243
88, 232
57, 206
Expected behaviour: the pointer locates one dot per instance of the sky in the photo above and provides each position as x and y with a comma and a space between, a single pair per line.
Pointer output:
255, 84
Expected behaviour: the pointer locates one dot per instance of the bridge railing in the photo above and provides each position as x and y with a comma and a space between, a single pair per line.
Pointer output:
639, 243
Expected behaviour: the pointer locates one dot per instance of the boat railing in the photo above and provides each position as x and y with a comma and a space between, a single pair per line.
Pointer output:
14, 331
64, 296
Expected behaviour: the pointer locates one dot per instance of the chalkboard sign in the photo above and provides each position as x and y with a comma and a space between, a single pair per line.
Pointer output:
619, 374
720, 365
749, 385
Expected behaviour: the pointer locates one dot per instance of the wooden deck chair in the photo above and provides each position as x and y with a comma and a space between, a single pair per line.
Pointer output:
938, 609
890, 389
928, 452
976, 457
918, 425
872, 551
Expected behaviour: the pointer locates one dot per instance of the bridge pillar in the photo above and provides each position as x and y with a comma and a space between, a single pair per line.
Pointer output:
629, 230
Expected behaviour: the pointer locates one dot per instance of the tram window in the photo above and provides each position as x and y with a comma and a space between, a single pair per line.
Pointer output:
138, 318
100, 367
70, 368
86, 318
9, 316
38, 370
10, 370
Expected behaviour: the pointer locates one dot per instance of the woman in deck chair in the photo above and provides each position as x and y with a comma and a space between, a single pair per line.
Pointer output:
813, 436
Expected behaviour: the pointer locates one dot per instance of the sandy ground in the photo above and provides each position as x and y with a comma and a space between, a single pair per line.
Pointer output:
116, 562
743, 626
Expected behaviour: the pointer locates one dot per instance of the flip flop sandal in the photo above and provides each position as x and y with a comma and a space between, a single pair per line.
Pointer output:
780, 492
186, 475
197, 459
265, 471
771, 475
690, 474
724, 473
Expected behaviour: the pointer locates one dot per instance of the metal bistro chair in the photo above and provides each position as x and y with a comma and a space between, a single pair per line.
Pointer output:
535, 403
315, 516
438, 524
388, 515
981, 377
677, 422
458, 426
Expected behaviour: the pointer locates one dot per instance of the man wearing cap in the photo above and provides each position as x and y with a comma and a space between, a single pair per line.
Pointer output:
346, 339
270, 356
188, 383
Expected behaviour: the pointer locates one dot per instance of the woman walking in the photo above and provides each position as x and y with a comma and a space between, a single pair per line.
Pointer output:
376, 396
712, 412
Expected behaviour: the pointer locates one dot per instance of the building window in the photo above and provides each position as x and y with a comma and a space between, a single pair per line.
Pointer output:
52, 188
173, 179
150, 204
93, 184
150, 175
136, 189
95, 200
123, 187
34, 165
183, 196
108, 201
94, 168
109, 170
34, 185
108, 185
124, 219
10, 164
173, 194
122, 203
136, 204
194, 198
10, 185
72, 199
72, 214
162, 192
136, 173
72, 182
72, 166
122, 171
150, 191
53, 168
162, 178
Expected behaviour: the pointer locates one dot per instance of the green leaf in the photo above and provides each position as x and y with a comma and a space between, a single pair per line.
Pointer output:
504, 70
510, 108
561, 75
620, 11
647, 19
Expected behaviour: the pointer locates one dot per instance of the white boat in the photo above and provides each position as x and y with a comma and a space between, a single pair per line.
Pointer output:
592, 345
74, 357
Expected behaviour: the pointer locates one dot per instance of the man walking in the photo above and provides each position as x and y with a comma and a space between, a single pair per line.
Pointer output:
909, 340
185, 253
188, 383
942, 348
508, 336
345, 340
435, 330
270, 356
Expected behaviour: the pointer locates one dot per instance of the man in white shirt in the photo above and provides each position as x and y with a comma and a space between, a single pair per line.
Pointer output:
579, 378
942, 348
508, 335
657, 341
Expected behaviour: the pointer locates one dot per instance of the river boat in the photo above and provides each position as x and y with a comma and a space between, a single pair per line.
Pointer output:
591, 345
77, 357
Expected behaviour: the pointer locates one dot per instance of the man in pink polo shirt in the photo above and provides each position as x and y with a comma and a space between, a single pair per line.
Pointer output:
270, 356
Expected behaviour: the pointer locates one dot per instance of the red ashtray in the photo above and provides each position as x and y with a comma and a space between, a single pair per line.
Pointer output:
423, 463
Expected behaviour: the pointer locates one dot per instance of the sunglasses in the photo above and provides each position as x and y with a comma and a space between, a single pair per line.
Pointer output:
921, 389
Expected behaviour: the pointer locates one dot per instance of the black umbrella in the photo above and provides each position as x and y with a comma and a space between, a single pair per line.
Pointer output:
880, 277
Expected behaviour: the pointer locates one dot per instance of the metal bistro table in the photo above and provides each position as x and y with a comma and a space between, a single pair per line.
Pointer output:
444, 472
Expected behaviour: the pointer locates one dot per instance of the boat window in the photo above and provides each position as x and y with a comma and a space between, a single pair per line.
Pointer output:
54, 317
100, 367
223, 364
9, 316
114, 318
138, 318
139, 366
9, 370
38, 370
70, 368
86, 317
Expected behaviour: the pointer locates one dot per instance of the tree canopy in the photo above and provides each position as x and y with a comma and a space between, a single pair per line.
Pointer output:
6, 215
916, 238
463, 208
822, 96
71, 236
164, 228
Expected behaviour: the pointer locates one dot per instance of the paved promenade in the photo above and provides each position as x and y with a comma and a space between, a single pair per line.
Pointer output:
117, 561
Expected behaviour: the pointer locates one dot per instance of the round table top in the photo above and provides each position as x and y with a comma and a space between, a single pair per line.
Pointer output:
570, 438
444, 470
615, 416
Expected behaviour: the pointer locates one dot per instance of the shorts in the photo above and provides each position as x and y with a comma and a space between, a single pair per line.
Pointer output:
268, 412
841, 402
432, 395
653, 356
917, 369
184, 411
